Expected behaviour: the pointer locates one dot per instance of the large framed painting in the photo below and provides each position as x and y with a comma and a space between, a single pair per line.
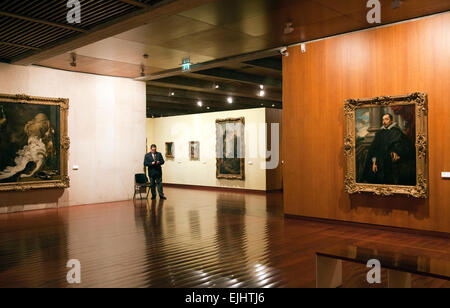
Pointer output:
386, 145
170, 150
230, 149
194, 150
34, 143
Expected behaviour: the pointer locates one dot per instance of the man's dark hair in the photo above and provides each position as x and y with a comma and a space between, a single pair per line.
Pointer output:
390, 116
153, 146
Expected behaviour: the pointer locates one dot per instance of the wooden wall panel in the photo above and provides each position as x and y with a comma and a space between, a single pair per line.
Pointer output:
399, 59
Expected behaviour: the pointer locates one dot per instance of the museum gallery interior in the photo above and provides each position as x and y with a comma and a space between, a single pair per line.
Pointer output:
225, 144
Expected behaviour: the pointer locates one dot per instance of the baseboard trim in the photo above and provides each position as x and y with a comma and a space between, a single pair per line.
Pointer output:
370, 226
214, 188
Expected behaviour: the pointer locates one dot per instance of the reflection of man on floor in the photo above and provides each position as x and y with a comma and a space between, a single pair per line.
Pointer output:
154, 160
390, 156
40, 146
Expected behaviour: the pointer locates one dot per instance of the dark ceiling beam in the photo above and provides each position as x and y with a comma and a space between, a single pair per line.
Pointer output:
135, 3
44, 22
161, 106
19, 45
209, 97
232, 75
194, 84
213, 64
116, 26
273, 64
191, 103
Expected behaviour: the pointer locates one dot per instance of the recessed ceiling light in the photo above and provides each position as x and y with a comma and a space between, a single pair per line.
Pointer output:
261, 87
207, 107
199, 103
172, 93
230, 100
273, 105
217, 86
262, 93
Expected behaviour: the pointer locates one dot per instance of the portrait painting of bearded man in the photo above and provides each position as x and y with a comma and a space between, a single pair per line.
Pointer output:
385, 145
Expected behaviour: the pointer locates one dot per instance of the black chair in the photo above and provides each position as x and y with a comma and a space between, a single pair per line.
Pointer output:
141, 183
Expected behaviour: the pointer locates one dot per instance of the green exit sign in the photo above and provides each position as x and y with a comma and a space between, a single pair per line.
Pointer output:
186, 64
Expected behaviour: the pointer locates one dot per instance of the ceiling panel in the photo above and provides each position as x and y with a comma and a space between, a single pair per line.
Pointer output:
174, 27
216, 29
116, 49
98, 66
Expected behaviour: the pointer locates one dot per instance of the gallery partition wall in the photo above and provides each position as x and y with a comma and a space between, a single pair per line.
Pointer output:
395, 60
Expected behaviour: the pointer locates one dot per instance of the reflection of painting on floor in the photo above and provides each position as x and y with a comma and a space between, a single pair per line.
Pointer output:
230, 147
385, 139
29, 142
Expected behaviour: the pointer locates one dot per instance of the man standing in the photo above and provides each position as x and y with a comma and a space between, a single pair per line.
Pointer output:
391, 156
154, 160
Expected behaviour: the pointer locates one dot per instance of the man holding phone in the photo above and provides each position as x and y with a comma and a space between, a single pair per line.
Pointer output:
154, 160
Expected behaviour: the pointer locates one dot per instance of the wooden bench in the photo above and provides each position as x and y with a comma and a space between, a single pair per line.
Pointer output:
400, 266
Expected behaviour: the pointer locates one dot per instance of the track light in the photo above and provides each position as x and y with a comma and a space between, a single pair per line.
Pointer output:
73, 56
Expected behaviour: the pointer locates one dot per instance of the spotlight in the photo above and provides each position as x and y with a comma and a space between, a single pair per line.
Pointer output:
261, 87
262, 93
284, 52
172, 94
230, 100
200, 103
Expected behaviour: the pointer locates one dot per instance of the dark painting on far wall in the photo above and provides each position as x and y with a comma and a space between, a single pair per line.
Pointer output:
194, 150
170, 150
386, 145
33, 142
230, 149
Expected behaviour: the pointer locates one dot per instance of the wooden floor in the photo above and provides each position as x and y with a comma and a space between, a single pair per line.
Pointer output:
195, 238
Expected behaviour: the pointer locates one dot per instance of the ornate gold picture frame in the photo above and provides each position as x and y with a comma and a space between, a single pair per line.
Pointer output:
194, 150
386, 145
34, 142
170, 150
230, 149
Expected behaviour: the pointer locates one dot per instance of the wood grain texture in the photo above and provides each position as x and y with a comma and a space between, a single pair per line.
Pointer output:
394, 60
194, 239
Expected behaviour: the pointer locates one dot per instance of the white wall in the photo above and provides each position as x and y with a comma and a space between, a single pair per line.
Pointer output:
106, 130
202, 128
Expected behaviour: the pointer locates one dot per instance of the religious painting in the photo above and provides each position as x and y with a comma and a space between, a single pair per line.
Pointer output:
170, 150
33, 142
194, 150
386, 145
230, 149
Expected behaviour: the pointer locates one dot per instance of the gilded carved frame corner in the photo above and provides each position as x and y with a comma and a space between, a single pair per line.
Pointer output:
64, 181
420, 100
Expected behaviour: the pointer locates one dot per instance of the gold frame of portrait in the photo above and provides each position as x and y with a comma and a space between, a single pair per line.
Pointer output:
420, 100
219, 161
192, 157
172, 154
63, 103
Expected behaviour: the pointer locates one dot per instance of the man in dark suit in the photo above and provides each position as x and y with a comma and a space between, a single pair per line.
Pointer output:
154, 160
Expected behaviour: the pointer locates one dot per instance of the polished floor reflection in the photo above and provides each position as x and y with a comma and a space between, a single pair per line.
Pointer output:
195, 238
